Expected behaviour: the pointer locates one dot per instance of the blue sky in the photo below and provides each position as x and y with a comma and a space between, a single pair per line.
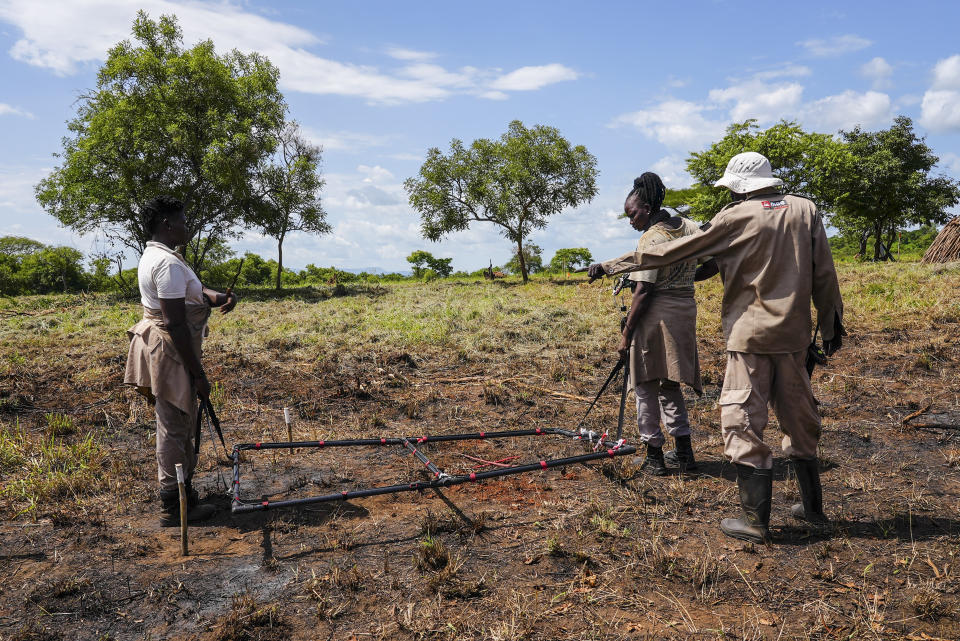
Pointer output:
641, 84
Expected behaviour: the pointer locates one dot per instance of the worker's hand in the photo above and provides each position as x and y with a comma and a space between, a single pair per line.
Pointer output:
202, 385
232, 300
834, 344
595, 271
624, 347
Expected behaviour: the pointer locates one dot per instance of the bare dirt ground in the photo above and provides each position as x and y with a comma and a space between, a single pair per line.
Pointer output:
595, 551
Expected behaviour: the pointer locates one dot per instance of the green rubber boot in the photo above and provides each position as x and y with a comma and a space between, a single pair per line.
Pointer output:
756, 491
810, 508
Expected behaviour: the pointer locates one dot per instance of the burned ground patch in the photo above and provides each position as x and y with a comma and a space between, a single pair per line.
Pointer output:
588, 551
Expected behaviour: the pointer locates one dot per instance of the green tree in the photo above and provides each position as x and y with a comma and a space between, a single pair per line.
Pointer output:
53, 269
419, 260
530, 259
165, 119
890, 186
810, 164
515, 182
290, 187
442, 266
570, 258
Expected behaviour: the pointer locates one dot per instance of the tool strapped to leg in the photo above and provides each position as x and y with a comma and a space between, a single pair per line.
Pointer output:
206, 407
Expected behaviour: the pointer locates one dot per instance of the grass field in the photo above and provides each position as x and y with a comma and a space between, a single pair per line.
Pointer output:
597, 551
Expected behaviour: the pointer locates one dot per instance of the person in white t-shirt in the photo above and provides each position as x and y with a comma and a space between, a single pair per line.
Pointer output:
164, 361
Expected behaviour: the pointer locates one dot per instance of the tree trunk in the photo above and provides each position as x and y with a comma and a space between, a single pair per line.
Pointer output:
862, 254
877, 242
279, 261
523, 263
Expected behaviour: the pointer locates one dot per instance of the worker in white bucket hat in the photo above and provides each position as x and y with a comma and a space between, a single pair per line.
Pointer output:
772, 253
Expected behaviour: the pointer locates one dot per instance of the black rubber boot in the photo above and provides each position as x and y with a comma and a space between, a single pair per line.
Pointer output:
682, 457
811, 493
170, 508
653, 464
756, 490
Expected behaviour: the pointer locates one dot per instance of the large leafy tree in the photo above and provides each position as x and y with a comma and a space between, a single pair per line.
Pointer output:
165, 119
516, 183
810, 164
289, 186
890, 187
570, 258
422, 260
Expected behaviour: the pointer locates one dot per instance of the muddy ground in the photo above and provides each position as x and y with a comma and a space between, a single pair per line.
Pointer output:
593, 551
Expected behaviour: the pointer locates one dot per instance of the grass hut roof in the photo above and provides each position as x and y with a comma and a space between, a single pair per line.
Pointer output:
946, 246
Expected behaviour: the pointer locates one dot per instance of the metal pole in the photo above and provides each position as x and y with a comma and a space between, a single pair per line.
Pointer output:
239, 507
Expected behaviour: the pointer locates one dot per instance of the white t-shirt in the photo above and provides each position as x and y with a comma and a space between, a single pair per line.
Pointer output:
162, 273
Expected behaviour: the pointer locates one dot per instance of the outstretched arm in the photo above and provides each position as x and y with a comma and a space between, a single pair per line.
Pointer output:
711, 242
225, 301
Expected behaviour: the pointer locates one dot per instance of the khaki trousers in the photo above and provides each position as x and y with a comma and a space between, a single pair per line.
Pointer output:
175, 432
656, 399
751, 383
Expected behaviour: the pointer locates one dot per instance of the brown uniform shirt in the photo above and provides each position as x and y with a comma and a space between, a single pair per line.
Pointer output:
773, 256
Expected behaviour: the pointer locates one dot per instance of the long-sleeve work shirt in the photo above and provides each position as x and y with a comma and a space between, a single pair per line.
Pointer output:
773, 257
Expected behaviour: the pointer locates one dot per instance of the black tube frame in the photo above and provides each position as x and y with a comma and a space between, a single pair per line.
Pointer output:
603, 449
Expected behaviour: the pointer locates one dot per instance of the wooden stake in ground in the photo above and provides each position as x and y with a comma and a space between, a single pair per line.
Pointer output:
288, 421
181, 485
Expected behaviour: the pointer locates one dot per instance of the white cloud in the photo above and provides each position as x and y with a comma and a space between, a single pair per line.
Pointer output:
834, 46
940, 108
64, 36
758, 99
10, 110
878, 70
530, 78
787, 71
349, 141
673, 171
675, 123
847, 110
401, 53
946, 73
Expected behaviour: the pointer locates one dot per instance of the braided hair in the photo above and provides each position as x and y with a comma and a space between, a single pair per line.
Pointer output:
157, 210
649, 189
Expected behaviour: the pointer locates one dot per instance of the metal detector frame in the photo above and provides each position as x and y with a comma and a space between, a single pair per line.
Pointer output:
602, 449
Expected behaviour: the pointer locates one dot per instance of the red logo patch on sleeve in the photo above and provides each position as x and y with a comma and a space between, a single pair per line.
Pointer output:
774, 204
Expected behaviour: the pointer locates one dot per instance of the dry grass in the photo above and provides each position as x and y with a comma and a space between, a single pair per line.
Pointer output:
586, 552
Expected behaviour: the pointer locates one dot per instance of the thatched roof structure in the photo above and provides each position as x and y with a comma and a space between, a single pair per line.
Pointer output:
946, 246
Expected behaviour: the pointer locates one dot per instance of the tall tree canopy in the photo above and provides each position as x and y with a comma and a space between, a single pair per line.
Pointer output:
515, 182
165, 119
570, 258
289, 191
810, 164
890, 186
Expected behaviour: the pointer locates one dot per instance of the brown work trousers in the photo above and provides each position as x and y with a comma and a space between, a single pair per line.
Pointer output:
751, 383
175, 434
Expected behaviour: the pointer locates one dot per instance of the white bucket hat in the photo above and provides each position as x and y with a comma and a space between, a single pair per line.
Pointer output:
748, 172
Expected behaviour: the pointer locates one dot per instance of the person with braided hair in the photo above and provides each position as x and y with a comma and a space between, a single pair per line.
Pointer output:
163, 361
772, 252
660, 333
